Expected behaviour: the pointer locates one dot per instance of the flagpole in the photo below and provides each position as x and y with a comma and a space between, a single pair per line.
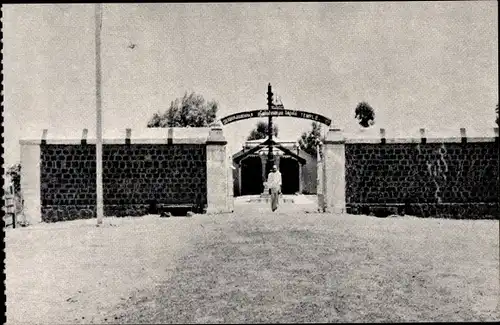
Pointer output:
98, 26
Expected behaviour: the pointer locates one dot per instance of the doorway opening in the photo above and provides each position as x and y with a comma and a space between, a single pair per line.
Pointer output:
251, 176
290, 176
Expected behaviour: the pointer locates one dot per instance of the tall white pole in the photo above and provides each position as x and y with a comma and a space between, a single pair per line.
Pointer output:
98, 102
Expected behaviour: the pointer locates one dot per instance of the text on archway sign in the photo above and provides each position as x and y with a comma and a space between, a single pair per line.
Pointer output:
275, 112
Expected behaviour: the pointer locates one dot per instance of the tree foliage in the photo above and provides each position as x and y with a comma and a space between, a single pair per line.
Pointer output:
260, 131
15, 174
498, 118
365, 114
309, 141
191, 110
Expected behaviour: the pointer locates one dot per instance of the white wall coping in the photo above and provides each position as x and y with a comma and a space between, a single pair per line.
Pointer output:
446, 135
116, 141
419, 140
142, 136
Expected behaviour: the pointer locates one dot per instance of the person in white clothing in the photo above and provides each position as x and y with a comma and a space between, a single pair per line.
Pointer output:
274, 184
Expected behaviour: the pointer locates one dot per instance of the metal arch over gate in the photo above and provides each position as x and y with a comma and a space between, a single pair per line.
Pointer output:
273, 110
275, 113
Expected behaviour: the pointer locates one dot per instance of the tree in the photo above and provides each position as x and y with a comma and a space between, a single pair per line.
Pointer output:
498, 119
365, 114
190, 110
260, 131
15, 174
309, 141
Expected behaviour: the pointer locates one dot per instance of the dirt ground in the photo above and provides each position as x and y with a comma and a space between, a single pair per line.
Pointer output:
76, 272
254, 266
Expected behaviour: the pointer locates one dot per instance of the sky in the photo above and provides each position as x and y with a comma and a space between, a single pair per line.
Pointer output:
418, 64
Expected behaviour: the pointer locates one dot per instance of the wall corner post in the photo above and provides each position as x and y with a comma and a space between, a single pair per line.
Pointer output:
30, 182
334, 185
218, 191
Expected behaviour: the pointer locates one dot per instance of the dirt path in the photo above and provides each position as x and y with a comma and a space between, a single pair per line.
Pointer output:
255, 266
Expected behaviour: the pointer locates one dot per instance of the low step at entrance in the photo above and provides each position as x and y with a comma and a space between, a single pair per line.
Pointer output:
294, 199
268, 200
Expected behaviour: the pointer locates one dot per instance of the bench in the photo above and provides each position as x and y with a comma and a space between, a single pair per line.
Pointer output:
381, 210
384, 211
167, 210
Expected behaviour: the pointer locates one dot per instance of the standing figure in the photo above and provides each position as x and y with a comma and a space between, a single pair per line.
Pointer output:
274, 184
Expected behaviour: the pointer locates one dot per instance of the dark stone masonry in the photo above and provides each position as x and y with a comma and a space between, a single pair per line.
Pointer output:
453, 180
136, 177
457, 180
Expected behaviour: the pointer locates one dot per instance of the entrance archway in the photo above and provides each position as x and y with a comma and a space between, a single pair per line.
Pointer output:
250, 170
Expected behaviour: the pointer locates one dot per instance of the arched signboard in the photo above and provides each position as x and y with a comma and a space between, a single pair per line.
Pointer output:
275, 112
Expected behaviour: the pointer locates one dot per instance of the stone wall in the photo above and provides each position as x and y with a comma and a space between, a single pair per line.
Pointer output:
67, 182
456, 179
135, 176
142, 169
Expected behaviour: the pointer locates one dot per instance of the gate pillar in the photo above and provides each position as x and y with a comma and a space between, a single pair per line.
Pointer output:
334, 172
218, 184
30, 182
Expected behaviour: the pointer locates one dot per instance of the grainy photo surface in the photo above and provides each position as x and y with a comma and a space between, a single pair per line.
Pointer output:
251, 162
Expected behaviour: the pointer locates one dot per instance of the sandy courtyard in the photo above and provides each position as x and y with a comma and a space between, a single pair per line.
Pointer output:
253, 266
